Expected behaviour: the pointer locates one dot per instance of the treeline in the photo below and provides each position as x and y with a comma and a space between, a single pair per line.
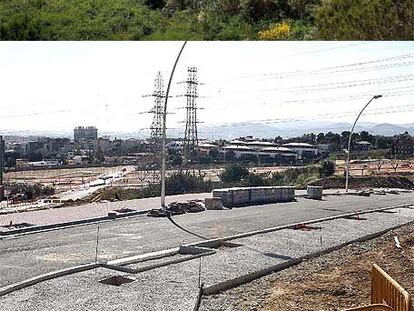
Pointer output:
206, 19
338, 142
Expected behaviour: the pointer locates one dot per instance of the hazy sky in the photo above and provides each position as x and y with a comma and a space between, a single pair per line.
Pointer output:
58, 85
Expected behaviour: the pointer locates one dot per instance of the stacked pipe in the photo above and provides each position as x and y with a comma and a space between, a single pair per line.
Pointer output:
254, 195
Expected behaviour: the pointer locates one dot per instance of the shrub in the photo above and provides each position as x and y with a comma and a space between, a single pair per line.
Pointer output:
327, 169
299, 177
181, 182
365, 20
254, 180
279, 31
234, 173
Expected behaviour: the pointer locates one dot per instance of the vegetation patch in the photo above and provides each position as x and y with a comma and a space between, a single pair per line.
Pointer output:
206, 19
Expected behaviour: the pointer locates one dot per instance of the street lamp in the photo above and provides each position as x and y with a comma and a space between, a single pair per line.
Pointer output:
348, 151
164, 135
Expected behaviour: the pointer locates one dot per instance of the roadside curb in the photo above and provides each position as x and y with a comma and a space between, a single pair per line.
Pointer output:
48, 276
220, 287
41, 228
144, 257
218, 241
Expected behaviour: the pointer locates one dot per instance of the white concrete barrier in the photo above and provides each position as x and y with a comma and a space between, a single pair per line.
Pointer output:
254, 195
314, 192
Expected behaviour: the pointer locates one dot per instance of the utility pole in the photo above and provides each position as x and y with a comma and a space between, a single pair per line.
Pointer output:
191, 135
164, 126
348, 151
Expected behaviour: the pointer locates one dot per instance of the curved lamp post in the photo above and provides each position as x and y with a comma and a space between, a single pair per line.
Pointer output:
348, 151
164, 123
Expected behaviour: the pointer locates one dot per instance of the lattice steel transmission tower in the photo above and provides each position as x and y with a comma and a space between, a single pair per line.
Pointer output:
190, 134
158, 108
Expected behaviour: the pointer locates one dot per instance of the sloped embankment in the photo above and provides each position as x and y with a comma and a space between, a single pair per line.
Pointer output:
402, 182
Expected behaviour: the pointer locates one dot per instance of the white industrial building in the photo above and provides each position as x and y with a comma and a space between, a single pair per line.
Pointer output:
303, 150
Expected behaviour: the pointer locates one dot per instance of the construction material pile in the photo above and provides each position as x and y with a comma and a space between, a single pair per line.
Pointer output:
178, 208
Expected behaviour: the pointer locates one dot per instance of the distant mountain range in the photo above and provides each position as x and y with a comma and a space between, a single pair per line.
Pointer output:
235, 130
299, 128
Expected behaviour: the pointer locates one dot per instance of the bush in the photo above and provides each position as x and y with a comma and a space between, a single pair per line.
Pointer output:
76, 20
279, 31
234, 173
299, 177
31, 191
327, 169
180, 182
254, 180
365, 20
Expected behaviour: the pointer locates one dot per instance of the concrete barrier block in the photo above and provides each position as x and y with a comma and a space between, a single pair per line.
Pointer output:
213, 203
314, 192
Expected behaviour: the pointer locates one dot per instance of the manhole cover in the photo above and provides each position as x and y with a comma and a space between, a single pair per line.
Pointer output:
116, 280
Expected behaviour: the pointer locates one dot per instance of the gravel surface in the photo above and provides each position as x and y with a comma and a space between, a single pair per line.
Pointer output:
265, 250
335, 281
174, 287
161, 289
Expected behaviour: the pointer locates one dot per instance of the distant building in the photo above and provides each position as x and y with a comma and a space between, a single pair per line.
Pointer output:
204, 148
85, 133
305, 151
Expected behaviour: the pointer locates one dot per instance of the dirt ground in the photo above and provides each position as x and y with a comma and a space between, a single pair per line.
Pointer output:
63, 179
335, 281
373, 167
364, 182
67, 178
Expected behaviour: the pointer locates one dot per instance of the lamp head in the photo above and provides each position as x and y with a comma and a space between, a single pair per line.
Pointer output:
377, 96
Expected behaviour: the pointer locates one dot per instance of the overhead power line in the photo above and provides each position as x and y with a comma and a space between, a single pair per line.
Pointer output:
337, 68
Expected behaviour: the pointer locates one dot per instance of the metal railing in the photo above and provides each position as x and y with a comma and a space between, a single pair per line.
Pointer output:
386, 294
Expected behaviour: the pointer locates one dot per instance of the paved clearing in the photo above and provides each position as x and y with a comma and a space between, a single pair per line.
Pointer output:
174, 287
34, 254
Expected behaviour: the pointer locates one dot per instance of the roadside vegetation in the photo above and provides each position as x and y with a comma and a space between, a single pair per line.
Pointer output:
24, 192
237, 175
206, 19
234, 175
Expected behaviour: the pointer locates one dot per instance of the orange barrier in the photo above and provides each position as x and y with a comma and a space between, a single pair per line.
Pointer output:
384, 289
386, 294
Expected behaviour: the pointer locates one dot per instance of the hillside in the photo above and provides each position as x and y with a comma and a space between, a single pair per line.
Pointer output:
204, 19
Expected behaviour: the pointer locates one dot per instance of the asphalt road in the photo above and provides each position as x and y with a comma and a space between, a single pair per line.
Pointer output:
30, 255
